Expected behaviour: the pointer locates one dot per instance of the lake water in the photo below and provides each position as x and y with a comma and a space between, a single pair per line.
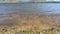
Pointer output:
29, 8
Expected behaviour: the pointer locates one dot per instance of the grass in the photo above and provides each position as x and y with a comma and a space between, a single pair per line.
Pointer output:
48, 31
36, 30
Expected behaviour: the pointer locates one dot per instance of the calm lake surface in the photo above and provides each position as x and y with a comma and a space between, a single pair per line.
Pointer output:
29, 8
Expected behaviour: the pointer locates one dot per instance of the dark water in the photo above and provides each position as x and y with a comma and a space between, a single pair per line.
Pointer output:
30, 8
